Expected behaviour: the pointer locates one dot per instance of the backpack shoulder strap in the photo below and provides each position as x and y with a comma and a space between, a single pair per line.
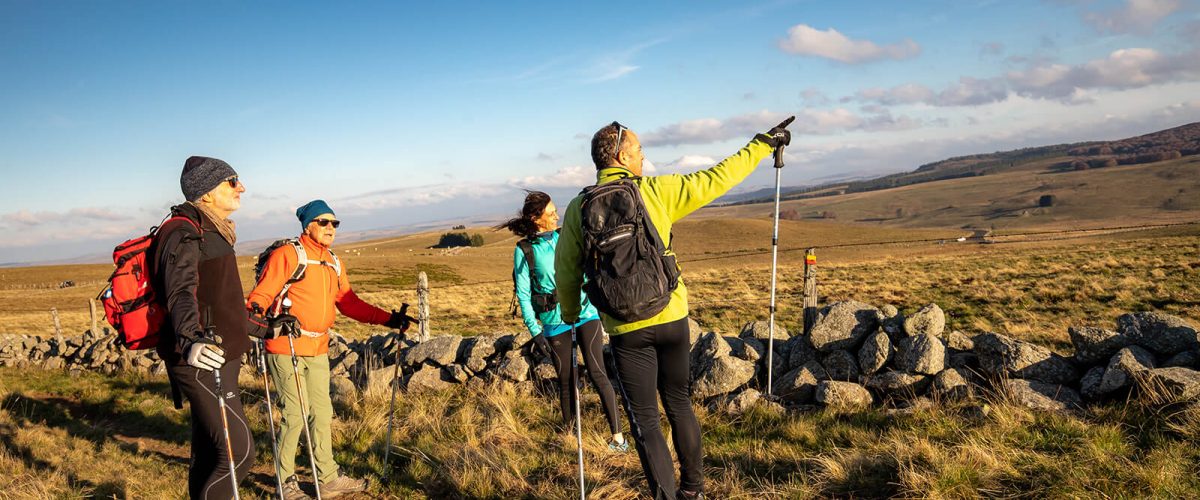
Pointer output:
526, 246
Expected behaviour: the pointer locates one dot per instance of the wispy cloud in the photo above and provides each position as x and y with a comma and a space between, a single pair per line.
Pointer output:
1135, 16
831, 44
572, 176
809, 121
1122, 69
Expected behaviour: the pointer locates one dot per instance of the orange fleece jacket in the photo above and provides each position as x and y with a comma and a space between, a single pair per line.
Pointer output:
313, 297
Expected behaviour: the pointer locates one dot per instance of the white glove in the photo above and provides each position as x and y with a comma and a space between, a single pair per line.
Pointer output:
205, 354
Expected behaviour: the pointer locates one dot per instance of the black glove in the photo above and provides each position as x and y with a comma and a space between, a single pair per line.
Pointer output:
778, 136
285, 324
542, 346
400, 321
259, 326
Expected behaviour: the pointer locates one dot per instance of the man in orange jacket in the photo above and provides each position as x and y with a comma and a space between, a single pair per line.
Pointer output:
323, 286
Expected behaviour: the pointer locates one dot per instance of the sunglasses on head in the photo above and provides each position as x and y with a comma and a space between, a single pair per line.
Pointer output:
326, 222
620, 133
233, 181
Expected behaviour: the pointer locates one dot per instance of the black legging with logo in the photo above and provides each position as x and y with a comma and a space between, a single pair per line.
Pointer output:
591, 345
208, 477
653, 362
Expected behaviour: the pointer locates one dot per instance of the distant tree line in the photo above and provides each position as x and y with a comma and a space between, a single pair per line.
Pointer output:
459, 239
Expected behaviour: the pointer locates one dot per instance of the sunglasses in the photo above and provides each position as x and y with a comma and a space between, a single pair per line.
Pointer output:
620, 133
326, 222
233, 181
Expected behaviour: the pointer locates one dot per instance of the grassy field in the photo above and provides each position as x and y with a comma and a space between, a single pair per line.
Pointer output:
64, 437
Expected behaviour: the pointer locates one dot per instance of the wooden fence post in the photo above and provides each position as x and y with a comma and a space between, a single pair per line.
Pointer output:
92, 310
57, 325
810, 289
423, 305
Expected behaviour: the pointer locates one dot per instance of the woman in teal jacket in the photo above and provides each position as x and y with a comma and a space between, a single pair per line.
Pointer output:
537, 226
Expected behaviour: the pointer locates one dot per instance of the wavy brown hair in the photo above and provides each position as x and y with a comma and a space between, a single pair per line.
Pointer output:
524, 224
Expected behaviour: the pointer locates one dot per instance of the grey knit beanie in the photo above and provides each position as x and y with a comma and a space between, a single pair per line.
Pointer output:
201, 174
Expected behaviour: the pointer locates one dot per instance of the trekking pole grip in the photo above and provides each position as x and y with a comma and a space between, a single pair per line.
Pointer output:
779, 156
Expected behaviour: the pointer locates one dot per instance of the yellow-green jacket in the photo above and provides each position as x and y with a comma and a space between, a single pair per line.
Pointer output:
668, 198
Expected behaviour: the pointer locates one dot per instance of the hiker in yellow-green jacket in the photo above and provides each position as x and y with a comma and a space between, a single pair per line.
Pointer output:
652, 353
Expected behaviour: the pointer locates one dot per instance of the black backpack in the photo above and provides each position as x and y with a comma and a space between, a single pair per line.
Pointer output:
630, 275
542, 302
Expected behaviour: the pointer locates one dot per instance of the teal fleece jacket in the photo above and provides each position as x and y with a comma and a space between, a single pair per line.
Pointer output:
549, 322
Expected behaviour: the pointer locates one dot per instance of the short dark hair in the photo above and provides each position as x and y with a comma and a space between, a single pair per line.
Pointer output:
604, 146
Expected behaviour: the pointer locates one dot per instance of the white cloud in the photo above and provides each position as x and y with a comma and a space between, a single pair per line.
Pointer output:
1120, 70
688, 163
832, 44
808, 122
572, 176
1136, 16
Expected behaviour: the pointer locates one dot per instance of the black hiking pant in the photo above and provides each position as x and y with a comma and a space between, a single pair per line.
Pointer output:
654, 362
208, 477
591, 344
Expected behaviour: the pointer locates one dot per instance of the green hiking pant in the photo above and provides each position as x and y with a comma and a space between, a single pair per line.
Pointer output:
314, 382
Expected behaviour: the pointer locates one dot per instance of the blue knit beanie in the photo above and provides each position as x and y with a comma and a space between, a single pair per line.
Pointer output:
311, 210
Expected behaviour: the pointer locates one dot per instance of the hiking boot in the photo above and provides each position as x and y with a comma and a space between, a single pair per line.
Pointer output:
616, 447
341, 485
292, 491
689, 495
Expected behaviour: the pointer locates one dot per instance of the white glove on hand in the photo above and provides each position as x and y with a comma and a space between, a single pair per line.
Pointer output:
205, 354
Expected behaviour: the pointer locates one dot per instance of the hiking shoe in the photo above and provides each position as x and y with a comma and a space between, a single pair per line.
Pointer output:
689, 495
341, 485
292, 491
616, 447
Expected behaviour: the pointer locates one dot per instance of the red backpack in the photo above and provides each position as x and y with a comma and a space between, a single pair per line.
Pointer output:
130, 302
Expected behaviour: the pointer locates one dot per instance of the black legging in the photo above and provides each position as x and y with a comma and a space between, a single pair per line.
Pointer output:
208, 477
591, 343
653, 362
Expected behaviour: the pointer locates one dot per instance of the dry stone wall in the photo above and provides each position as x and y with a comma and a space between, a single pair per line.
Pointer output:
856, 356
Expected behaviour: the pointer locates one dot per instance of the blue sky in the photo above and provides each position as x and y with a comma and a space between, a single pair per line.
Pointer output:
402, 113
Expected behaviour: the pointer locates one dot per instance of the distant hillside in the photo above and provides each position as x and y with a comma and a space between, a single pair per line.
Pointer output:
1158, 146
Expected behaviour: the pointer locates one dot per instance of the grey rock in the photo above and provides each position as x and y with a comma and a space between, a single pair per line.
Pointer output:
963, 359
921, 353
743, 401
1124, 368
800, 384
875, 353
694, 331
929, 320
761, 330
476, 351
800, 352
544, 372
458, 373
958, 341
842, 395
751, 350
898, 384
440, 350
1089, 384
342, 391
1042, 396
429, 378
53, 363
840, 365
379, 380
1173, 384
951, 385
723, 376
513, 367
1005, 357
707, 350
1158, 332
843, 325
889, 310
1095, 345
1185, 359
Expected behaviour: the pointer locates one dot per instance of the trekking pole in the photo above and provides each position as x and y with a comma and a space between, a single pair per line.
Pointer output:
774, 265
262, 369
312, 458
578, 418
210, 332
387, 451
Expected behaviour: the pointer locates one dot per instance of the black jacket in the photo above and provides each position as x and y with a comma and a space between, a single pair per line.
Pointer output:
194, 272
